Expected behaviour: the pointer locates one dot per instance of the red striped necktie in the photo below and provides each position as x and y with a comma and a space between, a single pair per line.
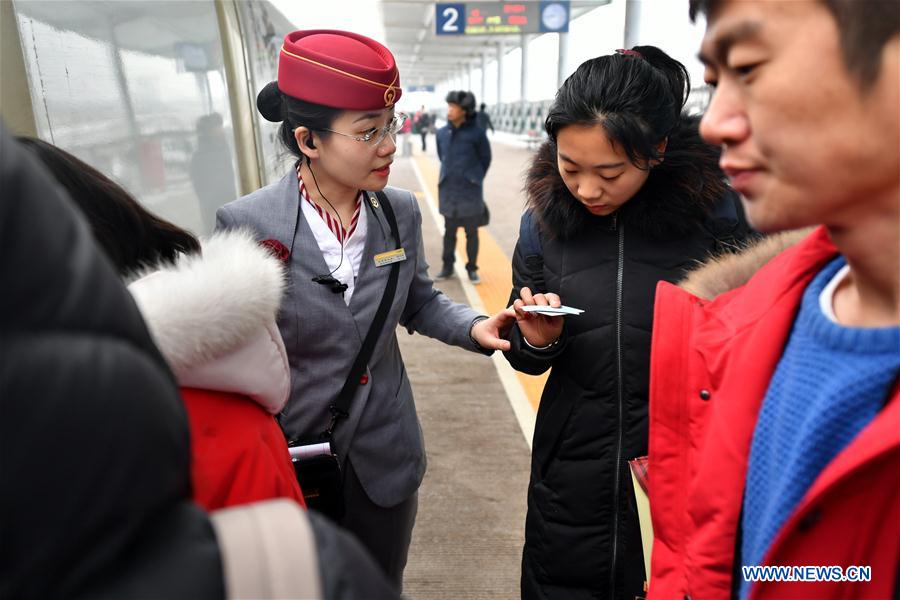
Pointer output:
342, 234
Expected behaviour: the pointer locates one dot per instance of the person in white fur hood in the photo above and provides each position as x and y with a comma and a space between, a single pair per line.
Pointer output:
211, 309
213, 317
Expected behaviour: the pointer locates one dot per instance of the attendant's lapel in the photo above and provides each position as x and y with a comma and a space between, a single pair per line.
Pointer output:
307, 250
283, 212
371, 280
306, 259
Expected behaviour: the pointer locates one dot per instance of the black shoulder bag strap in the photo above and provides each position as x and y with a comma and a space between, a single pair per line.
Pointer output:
340, 408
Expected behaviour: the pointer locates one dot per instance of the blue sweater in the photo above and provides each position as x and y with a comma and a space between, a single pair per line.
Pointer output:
830, 383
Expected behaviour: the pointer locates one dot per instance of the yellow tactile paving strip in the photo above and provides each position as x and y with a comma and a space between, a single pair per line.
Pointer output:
496, 275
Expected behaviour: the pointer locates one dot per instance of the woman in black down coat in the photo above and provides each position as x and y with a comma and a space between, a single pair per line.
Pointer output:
622, 195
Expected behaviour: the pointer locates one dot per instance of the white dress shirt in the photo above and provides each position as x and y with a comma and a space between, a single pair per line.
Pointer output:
347, 269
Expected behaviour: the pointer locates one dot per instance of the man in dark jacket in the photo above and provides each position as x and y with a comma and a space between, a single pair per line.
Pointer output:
465, 156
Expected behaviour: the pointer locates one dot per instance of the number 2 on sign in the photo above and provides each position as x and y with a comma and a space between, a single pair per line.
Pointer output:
452, 15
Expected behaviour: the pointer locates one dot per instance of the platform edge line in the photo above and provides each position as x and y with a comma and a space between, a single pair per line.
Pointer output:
518, 400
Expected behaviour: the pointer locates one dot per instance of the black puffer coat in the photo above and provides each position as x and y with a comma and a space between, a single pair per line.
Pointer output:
581, 536
95, 473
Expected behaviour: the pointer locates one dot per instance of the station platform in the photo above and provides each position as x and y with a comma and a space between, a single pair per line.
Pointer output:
477, 414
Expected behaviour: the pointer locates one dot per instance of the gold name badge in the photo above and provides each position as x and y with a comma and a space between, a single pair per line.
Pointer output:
389, 258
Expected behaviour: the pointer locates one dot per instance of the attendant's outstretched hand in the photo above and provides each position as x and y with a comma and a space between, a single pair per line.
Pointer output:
490, 332
538, 330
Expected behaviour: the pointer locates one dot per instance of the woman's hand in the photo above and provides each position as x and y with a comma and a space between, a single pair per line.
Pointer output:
538, 330
490, 332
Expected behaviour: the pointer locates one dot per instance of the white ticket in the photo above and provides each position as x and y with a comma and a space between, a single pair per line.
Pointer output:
551, 311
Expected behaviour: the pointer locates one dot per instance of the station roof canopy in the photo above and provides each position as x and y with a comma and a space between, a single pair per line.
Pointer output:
426, 58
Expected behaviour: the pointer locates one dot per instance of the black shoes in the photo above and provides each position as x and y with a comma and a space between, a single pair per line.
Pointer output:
446, 273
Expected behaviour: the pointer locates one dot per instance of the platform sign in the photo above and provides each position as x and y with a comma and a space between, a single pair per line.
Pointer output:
499, 18
450, 19
419, 88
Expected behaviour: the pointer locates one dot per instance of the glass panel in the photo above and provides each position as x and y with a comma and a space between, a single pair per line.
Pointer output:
136, 89
263, 28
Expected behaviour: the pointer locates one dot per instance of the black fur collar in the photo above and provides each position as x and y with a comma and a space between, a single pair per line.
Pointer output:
676, 199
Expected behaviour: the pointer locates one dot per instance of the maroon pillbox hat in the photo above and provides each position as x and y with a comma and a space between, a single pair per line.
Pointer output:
338, 69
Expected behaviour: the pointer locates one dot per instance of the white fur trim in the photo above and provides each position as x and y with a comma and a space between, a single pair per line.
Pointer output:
207, 307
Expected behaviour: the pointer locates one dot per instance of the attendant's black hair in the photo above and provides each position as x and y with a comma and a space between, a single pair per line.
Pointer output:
131, 236
636, 95
278, 107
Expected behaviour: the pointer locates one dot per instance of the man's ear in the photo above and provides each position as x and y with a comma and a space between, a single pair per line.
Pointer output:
305, 142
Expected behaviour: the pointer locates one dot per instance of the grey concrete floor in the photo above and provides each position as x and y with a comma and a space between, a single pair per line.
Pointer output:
469, 533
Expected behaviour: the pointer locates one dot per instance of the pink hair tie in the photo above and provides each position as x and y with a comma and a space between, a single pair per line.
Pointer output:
629, 52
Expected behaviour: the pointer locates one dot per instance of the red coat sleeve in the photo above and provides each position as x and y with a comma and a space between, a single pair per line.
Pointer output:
238, 453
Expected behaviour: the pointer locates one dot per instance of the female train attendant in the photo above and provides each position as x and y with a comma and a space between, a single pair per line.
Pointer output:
624, 194
335, 95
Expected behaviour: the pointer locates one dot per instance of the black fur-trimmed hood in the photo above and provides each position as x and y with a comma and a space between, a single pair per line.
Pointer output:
677, 197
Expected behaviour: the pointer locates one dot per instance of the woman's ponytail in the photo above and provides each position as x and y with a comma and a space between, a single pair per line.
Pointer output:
674, 71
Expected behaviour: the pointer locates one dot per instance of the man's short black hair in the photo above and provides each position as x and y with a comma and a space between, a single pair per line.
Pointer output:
865, 27
465, 100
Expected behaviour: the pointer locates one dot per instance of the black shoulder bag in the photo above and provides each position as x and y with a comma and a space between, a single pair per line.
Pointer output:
316, 464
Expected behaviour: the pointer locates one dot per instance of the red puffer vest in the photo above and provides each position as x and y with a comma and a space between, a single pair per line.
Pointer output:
710, 368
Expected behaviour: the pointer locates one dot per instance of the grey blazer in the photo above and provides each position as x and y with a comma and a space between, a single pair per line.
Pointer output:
382, 435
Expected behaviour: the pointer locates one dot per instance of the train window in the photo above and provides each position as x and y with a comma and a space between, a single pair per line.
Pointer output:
140, 94
263, 29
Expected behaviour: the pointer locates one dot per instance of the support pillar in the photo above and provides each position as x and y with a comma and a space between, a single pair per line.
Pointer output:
523, 79
562, 62
632, 23
484, 63
501, 53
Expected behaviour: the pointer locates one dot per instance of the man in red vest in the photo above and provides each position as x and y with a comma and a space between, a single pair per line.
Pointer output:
774, 400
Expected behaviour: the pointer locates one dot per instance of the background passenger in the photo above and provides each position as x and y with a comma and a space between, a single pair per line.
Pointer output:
335, 231
405, 132
422, 124
212, 315
465, 155
212, 173
621, 196
484, 119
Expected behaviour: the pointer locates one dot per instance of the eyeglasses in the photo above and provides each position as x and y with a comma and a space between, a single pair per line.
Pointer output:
376, 135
